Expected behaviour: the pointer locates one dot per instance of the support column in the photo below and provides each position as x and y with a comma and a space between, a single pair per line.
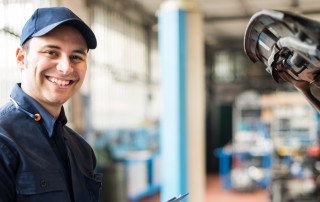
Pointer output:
181, 48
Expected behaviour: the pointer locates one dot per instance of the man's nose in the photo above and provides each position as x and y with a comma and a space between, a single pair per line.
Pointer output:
64, 65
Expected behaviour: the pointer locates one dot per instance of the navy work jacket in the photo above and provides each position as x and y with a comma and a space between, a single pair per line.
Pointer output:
30, 170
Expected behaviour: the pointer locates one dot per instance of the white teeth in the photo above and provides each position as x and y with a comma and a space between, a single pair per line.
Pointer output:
59, 82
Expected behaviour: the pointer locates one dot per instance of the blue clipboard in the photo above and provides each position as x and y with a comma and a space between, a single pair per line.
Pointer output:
179, 198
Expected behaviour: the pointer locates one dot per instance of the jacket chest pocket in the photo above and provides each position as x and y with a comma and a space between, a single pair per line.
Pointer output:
41, 186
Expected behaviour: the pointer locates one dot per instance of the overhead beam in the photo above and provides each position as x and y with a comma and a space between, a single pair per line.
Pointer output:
215, 19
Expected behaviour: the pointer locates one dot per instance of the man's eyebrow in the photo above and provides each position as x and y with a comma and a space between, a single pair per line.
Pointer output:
51, 46
80, 51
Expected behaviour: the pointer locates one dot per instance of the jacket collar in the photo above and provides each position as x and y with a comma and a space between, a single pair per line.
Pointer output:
32, 106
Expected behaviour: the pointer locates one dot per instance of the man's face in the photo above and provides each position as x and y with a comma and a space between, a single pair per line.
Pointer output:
54, 66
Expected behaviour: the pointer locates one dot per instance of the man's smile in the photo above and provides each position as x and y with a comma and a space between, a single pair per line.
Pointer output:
60, 82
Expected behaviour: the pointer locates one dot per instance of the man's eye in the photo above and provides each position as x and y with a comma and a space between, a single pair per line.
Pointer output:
53, 53
76, 58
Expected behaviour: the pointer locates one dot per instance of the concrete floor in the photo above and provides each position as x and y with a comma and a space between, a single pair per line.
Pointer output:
215, 193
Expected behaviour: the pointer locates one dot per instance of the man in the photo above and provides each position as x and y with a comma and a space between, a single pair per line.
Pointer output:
42, 159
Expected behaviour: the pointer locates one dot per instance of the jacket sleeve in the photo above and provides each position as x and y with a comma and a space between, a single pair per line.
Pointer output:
8, 167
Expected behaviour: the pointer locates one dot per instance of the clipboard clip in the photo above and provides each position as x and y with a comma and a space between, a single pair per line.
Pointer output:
178, 198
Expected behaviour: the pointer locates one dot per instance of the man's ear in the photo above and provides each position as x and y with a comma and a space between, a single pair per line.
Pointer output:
20, 56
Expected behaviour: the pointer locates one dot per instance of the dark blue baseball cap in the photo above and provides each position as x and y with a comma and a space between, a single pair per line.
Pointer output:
43, 20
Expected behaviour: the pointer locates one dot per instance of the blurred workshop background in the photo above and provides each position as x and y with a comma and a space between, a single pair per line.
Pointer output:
172, 105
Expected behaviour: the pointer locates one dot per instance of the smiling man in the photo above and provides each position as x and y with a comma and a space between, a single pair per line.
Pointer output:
42, 159
53, 66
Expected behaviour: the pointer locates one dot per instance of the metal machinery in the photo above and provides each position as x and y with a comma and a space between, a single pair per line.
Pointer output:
293, 130
274, 146
288, 44
130, 162
250, 150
